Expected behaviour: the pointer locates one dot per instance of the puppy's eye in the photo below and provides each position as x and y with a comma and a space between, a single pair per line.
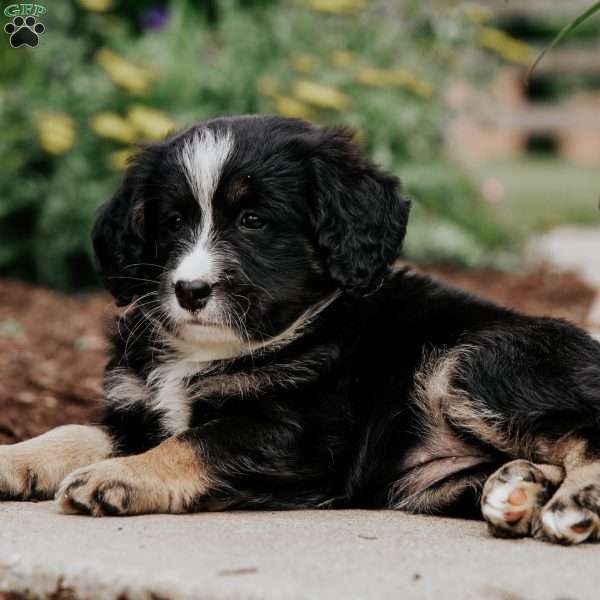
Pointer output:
172, 224
251, 221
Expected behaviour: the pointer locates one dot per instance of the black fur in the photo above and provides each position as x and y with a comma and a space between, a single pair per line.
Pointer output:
333, 416
359, 238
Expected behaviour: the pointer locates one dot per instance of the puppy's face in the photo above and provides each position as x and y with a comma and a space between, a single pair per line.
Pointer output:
233, 231
230, 224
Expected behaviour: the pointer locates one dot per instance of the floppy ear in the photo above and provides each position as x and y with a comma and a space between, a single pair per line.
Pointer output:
360, 215
118, 240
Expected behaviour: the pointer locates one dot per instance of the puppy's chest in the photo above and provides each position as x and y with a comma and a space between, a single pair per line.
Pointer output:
169, 390
186, 394
170, 384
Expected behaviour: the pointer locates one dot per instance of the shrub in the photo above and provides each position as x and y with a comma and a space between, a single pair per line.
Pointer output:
100, 83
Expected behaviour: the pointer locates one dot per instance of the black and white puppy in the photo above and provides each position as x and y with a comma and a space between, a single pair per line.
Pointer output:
272, 357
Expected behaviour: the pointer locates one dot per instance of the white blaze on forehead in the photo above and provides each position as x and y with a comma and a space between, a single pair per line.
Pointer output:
202, 158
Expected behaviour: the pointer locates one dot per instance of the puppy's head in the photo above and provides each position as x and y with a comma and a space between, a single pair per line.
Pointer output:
235, 228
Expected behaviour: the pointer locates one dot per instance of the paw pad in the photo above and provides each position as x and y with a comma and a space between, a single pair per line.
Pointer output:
517, 497
511, 506
24, 32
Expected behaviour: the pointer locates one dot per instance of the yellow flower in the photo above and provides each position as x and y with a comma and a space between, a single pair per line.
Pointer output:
374, 77
290, 107
129, 76
56, 132
337, 7
119, 159
398, 77
506, 46
478, 14
153, 124
422, 88
305, 63
96, 5
114, 127
360, 136
342, 59
268, 86
320, 95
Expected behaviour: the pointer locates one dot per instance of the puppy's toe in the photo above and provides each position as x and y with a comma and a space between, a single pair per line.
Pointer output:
69, 499
21, 479
100, 490
567, 524
114, 498
512, 498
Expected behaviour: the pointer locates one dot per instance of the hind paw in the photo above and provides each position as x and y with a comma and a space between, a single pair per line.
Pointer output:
514, 496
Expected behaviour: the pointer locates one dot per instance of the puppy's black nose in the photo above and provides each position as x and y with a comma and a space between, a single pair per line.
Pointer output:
192, 295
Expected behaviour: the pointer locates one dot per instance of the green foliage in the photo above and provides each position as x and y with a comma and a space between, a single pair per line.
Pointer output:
447, 222
564, 32
382, 71
533, 201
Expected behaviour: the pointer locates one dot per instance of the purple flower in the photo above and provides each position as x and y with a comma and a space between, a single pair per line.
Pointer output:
155, 17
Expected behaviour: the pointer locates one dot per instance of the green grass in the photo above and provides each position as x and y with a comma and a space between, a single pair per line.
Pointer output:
540, 194
454, 220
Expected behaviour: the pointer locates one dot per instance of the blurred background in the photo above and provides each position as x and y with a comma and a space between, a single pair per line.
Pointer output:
499, 170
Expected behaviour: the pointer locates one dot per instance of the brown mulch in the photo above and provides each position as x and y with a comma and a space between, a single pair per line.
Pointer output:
52, 350
561, 295
52, 354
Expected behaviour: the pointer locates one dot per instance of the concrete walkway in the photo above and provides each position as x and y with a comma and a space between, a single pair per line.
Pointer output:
282, 555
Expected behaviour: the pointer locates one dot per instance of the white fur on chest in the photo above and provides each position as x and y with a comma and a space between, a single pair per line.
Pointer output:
165, 390
170, 395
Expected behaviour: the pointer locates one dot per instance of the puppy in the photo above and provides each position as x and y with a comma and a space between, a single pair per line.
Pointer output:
272, 357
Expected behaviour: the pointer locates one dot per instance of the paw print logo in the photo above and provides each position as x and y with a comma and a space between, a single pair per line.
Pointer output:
24, 32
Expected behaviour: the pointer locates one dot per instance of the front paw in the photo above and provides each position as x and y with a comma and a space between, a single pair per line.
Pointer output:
167, 479
32, 470
20, 478
109, 487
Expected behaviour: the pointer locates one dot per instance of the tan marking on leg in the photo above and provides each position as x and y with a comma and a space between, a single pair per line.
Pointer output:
431, 480
442, 407
34, 468
167, 479
569, 451
435, 498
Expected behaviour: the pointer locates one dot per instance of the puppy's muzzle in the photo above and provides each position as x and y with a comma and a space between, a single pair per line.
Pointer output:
192, 295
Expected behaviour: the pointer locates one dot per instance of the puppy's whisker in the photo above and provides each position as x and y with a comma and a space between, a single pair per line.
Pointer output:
240, 319
145, 322
152, 327
145, 264
153, 281
134, 305
252, 283
159, 320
